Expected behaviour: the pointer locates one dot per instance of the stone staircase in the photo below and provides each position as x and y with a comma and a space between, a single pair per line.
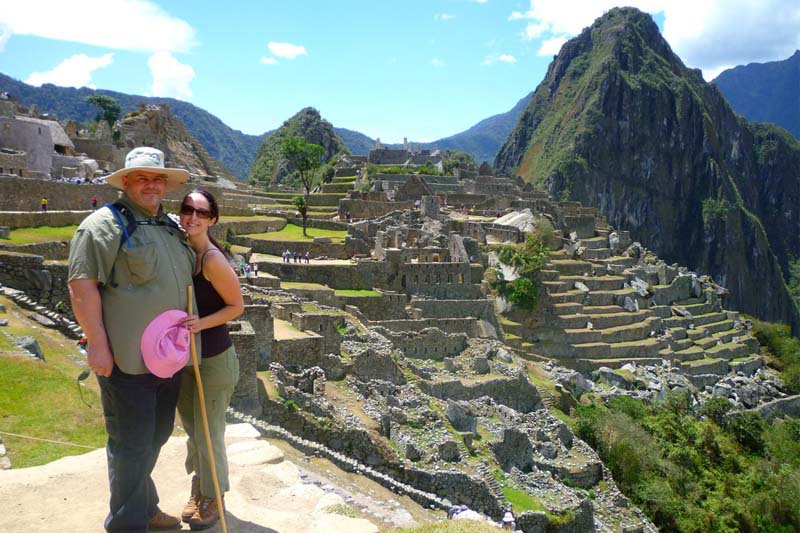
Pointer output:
497, 491
599, 308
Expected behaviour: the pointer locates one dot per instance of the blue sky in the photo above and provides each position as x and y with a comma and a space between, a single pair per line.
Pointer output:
417, 69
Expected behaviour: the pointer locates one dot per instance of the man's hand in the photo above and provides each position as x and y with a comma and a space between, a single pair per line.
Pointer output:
100, 361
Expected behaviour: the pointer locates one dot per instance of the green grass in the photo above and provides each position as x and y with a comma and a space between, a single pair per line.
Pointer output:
292, 233
7, 346
302, 285
40, 234
521, 501
359, 293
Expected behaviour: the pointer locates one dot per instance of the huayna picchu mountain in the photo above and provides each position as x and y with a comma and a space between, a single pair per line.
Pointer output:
621, 124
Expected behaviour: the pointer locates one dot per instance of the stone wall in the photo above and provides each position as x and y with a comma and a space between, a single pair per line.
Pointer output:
446, 281
13, 162
48, 250
334, 250
387, 306
35, 139
43, 281
32, 219
517, 393
364, 275
245, 396
260, 318
470, 326
101, 151
429, 343
360, 209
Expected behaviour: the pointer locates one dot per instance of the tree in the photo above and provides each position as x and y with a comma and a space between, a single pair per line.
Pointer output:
306, 157
107, 108
299, 202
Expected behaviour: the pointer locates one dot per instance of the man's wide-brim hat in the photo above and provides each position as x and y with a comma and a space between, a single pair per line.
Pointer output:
148, 159
165, 344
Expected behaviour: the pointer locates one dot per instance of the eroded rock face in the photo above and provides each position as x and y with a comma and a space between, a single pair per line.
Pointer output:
514, 451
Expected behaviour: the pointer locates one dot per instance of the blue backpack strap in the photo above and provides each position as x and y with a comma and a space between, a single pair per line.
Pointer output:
125, 235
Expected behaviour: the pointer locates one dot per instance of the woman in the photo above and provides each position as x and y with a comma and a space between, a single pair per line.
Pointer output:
219, 300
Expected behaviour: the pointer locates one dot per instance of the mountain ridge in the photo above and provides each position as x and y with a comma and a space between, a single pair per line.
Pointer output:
237, 150
620, 123
765, 92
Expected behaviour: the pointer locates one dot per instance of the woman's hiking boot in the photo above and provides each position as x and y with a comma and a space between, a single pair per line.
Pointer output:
194, 499
207, 514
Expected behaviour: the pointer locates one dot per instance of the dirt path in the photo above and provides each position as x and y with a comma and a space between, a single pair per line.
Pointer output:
268, 492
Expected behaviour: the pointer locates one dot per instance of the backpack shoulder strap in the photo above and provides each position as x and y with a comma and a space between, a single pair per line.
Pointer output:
120, 210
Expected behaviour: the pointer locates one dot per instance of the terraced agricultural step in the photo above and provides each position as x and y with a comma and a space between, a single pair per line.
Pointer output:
692, 353
701, 308
603, 350
731, 350
574, 296
677, 322
706, 342
609, 297
566, 308
602, 321
556, 286
705, 366
595, 254
717, 327
590, 365
747, 365
593, 243
709, 318
549, 275
632, 332
620, 260
595, 283
570, 267
602, 309
581, 336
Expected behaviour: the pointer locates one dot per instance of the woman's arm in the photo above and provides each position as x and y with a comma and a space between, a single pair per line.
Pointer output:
218, 271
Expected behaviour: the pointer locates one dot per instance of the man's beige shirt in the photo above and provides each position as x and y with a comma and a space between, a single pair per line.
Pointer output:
137, 283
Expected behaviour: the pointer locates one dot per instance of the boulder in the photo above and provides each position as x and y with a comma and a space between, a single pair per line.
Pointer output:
459, 415
448, 451
515, 450
30, 344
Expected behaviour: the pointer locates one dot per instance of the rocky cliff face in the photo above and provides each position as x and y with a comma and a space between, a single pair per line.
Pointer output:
269, 167
621, 124
156, 126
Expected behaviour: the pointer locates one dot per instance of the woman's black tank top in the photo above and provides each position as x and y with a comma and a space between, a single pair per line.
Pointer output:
217, 339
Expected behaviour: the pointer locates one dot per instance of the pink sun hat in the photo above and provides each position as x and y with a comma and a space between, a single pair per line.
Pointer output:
165, 344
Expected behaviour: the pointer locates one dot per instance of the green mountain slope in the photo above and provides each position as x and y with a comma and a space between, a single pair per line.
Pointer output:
765, 92
234, 149
269, 167
620, 123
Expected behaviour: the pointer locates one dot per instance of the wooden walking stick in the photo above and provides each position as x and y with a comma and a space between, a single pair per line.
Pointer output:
204, 415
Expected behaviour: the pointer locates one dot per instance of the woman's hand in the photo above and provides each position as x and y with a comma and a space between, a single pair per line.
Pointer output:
192, 322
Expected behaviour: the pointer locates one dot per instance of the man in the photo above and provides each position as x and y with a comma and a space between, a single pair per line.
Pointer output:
43, 203
128, 264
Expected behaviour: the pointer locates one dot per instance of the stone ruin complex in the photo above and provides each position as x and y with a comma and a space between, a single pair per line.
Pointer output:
400, 364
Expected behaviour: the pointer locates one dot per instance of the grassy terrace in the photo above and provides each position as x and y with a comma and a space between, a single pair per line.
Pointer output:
57, 413
358, 293
292, 233
40, 234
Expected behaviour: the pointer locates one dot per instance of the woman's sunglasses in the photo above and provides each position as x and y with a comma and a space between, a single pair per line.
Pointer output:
187, 210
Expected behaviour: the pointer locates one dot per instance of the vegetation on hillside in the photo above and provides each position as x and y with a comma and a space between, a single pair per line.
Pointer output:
527, 259
271, 166
782, 349
697, 472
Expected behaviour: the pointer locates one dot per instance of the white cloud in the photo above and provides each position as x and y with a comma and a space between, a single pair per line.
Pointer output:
5, 35
550, 47
436, 62
170, 77
503, 58
75, 71
287, 50
708, 34
443, 17
138, 25
266, 60
534, 30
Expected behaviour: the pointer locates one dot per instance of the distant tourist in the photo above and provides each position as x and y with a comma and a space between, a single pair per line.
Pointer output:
247, 271
347, 216
43, 203
307, 257
287, 256
508, 521
94, 202
60, 309
255, 270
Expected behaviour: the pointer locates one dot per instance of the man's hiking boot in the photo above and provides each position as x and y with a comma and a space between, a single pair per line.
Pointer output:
206, 516
162, 521
194, 498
